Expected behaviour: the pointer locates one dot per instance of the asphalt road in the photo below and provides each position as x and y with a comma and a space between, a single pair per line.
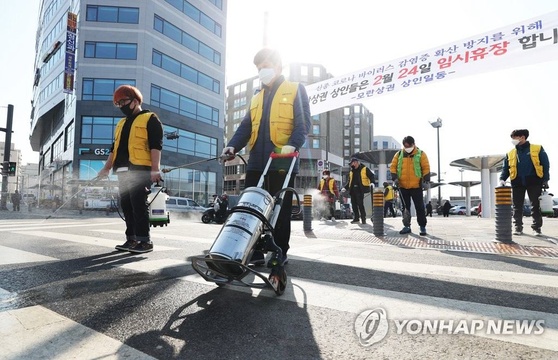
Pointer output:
65, 293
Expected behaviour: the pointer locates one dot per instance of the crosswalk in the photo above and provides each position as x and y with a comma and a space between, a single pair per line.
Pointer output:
37, 332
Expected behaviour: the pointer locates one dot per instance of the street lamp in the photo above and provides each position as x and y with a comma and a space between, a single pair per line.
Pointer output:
438, 124
461, 171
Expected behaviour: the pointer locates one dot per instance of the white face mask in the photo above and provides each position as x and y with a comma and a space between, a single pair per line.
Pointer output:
515, 142
324, 177
266, 75
409, 149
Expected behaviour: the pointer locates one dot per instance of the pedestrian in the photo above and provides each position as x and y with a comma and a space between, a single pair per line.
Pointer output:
446, 208
135, 158
527, 166
278, 120
16, 200
389, 196
360, 180
330, 193
410, 170
429, 209
479, 210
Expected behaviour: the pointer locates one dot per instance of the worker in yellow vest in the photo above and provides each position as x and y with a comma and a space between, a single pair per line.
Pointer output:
361, 179
277, 120
389, 196
135, 157
330, 192
527, 166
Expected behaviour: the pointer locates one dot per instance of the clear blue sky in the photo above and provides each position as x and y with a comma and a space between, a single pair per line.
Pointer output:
478, 111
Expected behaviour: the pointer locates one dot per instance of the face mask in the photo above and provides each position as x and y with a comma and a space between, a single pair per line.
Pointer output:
126, 109
409, 149
324, 177
266, 75
515, 142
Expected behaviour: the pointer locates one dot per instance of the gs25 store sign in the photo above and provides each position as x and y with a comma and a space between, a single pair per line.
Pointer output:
96, 151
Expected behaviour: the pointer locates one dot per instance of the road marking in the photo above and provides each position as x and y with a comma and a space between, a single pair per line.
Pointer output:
399, 267
15, 228
38, 333
10, 255
82, 239
155, 235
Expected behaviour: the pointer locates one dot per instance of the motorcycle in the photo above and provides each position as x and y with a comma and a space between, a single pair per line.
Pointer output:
210, 216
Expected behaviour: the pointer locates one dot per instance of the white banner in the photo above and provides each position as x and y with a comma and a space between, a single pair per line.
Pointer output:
524, 43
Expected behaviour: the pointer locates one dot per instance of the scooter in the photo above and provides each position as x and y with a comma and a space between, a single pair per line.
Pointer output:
249, 228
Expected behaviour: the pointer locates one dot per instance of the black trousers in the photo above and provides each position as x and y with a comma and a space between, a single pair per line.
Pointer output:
518, 197
388, 205
133, 187
273, 182
416, 196
357, 203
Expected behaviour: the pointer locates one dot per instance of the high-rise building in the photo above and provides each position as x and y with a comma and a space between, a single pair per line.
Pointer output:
334, 136
173, 51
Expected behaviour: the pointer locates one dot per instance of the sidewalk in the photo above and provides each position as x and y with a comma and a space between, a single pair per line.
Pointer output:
458, 233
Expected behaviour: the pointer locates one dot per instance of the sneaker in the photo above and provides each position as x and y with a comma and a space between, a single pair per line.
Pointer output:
142, 247
518, 231
537, 232
422, 231
126, 246
405, 230
355, 221
284, 261
332, 219
323, 219
363, 221
258, 259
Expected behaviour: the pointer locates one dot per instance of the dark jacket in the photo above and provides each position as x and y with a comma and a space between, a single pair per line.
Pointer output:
357, 181
263, 147
526, 175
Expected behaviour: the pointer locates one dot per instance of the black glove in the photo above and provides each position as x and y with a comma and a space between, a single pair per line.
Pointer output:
545, 185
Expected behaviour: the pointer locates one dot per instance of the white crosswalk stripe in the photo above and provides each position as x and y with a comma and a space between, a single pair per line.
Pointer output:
16, 326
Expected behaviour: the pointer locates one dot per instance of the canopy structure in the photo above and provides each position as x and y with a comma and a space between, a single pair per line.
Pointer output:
467, 185
489, 166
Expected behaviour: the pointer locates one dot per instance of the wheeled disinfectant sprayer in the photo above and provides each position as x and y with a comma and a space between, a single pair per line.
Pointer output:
249, 228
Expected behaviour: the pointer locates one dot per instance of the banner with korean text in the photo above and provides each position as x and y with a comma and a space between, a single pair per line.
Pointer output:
70, 59
524, 43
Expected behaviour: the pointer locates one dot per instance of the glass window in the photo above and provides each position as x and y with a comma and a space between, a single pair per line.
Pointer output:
126, 51
316, 129
183, 105
89, 50
97, 130
128, 15
171, 65
115, 14
105, 50
107, 14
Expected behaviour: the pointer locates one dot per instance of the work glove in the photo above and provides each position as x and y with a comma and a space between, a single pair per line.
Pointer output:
545, 185
288, 149
343, 190
227, 153
396, 183
426, 185
502, 183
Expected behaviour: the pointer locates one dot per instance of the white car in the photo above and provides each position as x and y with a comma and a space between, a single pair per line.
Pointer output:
180, 204
458, 210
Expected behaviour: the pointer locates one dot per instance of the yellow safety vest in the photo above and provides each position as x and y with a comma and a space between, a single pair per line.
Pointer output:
330, 183
391, 194
281, 115
534, 151
363, 178
138, 144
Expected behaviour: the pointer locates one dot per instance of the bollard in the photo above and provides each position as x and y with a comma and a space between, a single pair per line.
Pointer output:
307, 213
378, 212
503, 219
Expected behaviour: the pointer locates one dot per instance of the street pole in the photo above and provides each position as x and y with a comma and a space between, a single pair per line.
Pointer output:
439, 173
7, 149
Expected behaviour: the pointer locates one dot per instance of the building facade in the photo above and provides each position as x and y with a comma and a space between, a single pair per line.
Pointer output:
332, 139
173, 51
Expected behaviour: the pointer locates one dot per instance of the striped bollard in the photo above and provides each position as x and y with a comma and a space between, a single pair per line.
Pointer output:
503, 219
307, 213
378, 212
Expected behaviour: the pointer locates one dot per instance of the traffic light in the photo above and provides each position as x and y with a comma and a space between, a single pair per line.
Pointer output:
12, 169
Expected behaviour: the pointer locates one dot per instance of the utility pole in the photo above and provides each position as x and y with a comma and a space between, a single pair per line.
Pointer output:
7, 149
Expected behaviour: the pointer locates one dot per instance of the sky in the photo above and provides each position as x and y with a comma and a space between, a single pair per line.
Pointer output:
478, 111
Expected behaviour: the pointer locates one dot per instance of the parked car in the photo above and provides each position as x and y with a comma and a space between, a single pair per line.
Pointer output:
180, 204
458, 210
475, 210
555, 206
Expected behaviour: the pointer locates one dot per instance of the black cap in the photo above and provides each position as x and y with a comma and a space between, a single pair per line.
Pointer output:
353, 159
